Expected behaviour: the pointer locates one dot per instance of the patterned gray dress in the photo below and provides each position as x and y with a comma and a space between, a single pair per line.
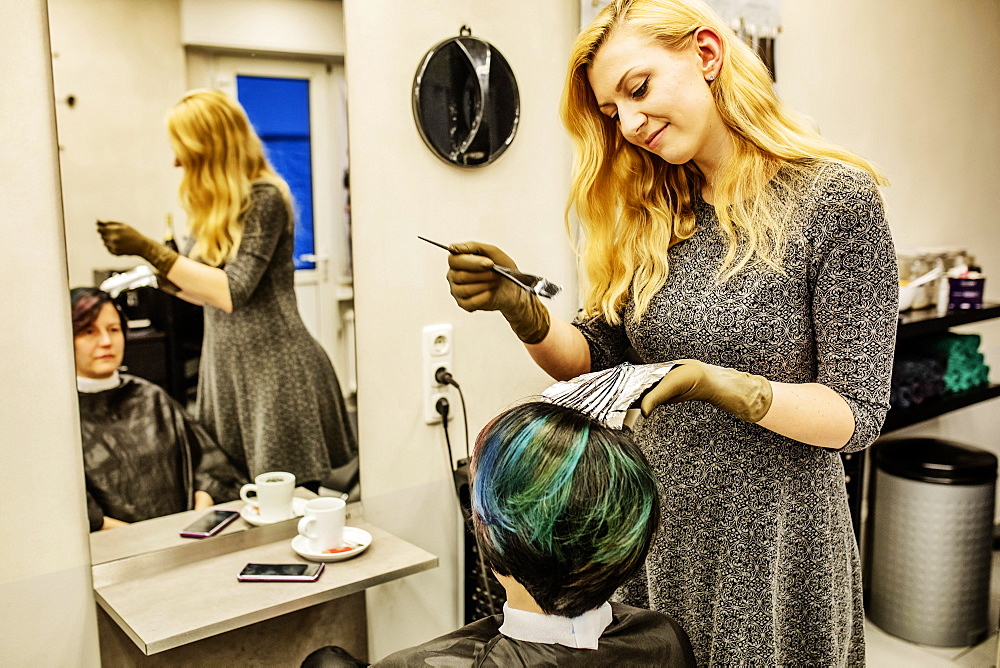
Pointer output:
266, 388
756, 556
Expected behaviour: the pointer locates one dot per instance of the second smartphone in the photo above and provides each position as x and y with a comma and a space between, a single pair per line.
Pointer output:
280, 572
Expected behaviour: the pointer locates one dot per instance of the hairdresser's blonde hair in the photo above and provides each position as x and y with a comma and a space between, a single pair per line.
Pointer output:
222, 158
632, 204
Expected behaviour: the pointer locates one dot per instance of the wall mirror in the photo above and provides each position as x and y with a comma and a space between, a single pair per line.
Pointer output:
465, 101
118, 67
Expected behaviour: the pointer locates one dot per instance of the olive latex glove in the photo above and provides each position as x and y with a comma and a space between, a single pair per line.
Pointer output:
745, 395
476, 287
122, 239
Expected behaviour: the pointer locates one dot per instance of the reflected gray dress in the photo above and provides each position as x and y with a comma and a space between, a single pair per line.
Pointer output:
266, 388
756, 557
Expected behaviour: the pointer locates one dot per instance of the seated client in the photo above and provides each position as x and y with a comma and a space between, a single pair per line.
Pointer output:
564, 509
143, 456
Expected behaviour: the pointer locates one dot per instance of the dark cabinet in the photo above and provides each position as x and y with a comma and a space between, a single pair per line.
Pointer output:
166, 351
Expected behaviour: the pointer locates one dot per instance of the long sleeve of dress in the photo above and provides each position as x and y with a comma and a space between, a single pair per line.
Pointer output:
266, 221
608, 343
854, 302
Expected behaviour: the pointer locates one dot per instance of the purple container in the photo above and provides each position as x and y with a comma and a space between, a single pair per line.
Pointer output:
965, 293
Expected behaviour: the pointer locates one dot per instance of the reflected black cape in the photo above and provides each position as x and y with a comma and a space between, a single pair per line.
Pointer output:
635, 637
144, 457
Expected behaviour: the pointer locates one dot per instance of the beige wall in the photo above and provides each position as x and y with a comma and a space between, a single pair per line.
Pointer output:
399, 190
314, 27
122, 170
47, 617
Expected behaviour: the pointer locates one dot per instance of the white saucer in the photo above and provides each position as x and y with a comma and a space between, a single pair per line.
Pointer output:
252, 516
352, 536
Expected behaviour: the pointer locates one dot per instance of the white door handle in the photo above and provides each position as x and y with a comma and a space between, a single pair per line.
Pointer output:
321, 260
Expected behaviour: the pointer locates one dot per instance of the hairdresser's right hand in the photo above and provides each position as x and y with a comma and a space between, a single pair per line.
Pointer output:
122, 239
476, 287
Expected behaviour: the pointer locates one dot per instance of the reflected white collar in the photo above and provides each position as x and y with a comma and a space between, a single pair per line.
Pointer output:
582, 632
92, 385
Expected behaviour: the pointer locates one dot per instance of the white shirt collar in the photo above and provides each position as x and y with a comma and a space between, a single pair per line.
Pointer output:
92, 385
582, 632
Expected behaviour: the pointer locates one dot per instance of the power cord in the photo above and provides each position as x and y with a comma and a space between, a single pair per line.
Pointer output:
442, 376
460, 475
443, 406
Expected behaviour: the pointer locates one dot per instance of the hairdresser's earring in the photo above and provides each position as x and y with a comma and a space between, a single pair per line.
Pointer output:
710, 77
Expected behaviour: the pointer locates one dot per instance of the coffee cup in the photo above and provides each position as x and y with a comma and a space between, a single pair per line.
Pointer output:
322, 523
272, 495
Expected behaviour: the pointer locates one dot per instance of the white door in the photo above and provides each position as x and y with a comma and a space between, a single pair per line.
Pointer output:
324, 290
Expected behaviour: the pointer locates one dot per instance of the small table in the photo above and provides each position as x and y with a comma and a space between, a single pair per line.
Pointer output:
183, 605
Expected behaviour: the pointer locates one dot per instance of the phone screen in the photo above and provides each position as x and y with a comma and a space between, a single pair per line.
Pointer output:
271, 572
275, 569
210, 523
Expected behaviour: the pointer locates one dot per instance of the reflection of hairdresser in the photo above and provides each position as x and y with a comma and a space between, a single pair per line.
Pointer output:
564, 511
143, 456
266, 389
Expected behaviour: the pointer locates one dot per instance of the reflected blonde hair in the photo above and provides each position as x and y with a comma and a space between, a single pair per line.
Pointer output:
632, 204
222, 157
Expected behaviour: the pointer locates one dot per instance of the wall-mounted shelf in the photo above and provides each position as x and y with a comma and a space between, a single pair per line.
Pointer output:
904, 417
926, 321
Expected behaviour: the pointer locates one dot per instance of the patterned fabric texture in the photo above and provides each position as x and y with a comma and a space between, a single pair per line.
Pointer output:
266, 388
756, 556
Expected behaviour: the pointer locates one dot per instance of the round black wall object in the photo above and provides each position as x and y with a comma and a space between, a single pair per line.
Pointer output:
465, 101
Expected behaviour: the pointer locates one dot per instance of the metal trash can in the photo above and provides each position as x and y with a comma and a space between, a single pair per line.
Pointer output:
932, 541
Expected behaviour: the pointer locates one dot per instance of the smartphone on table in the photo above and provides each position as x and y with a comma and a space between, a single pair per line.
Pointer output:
210, 524
280, 572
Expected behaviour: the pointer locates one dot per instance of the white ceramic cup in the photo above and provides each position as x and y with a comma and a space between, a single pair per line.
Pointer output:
322, 523
273, 495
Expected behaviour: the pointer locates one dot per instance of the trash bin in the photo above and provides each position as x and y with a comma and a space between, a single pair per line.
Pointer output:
931, 541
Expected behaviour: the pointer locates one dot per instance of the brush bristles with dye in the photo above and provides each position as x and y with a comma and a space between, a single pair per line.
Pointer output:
607, 395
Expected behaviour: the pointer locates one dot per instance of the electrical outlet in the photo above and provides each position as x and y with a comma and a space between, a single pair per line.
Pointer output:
437, 351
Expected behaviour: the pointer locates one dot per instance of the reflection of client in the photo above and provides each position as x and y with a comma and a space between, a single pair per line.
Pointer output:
143, 456
564, 510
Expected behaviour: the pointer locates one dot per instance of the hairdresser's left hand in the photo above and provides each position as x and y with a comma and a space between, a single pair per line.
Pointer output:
745, 395
122, 239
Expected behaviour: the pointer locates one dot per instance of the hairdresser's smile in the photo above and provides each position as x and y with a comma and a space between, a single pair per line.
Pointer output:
653, 140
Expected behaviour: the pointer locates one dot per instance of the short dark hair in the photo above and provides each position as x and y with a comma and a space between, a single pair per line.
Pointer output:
86, 305
563, 504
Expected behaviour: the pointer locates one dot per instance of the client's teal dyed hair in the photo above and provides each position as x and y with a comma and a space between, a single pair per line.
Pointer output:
562, 503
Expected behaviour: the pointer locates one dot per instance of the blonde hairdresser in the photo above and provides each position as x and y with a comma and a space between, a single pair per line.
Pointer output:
725, 235
266, 389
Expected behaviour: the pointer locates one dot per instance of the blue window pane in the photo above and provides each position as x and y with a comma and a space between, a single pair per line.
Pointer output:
279, 112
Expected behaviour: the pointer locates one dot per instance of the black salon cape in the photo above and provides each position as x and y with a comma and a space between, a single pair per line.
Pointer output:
144, 457
635, 637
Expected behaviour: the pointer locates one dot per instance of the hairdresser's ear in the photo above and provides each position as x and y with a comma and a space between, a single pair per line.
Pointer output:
710, 52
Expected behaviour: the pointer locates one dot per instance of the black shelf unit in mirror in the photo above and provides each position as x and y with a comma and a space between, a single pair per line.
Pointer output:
914, 324
163, 342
